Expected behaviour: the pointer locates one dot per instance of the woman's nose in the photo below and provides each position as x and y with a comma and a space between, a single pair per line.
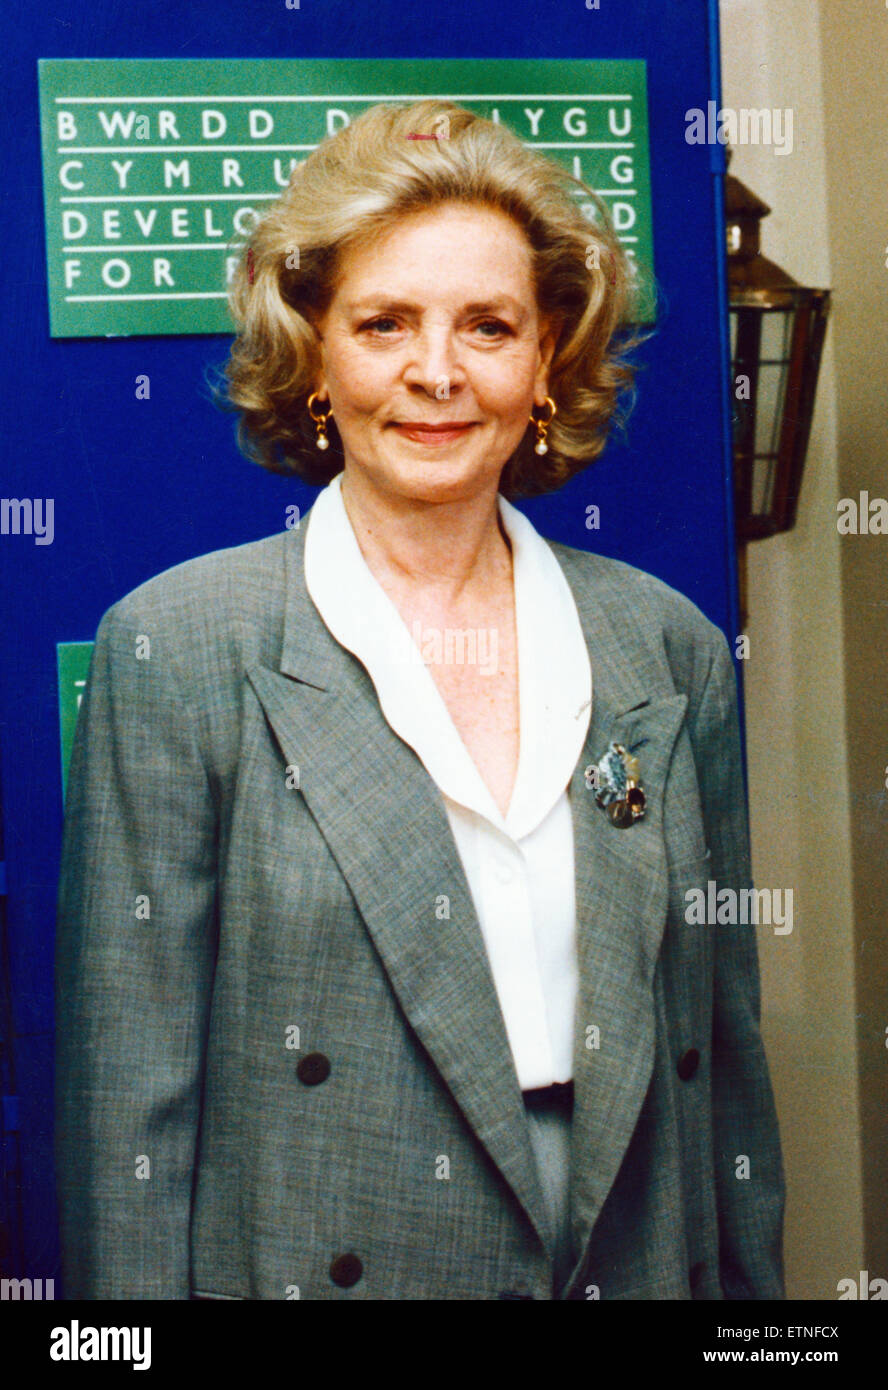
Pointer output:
434, 363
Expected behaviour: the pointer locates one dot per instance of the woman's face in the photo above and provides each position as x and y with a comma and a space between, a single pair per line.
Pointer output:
433, 353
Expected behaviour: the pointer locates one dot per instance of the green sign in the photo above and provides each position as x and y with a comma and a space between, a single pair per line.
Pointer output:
155, 170
73, 659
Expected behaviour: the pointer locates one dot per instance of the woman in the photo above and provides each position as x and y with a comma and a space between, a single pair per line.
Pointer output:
374, 978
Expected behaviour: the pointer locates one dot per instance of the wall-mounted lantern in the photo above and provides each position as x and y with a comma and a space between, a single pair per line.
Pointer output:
777, 331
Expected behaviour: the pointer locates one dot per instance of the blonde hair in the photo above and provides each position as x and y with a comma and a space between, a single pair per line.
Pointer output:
359, 182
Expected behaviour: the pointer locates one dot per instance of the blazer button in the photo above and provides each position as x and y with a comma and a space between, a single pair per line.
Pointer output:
346, 1270
688, 1064
313, 1068
695, 1274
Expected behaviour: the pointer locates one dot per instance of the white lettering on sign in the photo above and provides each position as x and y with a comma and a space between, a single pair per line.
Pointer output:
151, 197
213, 125
166, 126
121, 169
171, 171
64, 174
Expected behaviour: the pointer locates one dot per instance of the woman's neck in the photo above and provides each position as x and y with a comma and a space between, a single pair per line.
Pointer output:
451, 553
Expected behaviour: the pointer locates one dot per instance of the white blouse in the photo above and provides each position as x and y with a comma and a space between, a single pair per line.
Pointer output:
519, 868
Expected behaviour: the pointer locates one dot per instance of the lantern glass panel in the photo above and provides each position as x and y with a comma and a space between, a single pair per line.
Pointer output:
769, 407
777, 335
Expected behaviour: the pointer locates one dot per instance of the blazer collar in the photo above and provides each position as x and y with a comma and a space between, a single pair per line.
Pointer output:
381, 816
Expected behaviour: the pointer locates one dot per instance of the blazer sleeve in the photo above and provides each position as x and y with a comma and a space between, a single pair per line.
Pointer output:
136, 940
750, 1209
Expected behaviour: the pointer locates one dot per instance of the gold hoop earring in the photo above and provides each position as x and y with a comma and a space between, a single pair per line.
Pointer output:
321, 421
542, 427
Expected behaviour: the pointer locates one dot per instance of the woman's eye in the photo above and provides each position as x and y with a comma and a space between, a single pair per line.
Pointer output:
380, 325
492, 328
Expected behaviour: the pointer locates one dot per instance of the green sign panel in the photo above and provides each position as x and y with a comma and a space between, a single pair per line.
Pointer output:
73, 659
156, 170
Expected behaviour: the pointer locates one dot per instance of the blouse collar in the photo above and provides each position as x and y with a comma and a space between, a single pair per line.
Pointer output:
554, 672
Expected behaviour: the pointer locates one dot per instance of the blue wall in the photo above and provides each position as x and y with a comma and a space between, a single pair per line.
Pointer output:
139, 486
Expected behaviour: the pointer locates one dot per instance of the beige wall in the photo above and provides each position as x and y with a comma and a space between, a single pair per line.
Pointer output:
818, 611
855, 89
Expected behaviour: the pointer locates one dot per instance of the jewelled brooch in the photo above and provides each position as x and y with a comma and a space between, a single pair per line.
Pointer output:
618, 789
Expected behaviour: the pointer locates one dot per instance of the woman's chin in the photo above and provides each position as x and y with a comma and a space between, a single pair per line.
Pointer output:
436, 480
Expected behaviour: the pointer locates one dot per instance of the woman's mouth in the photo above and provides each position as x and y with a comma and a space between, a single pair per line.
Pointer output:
421, 433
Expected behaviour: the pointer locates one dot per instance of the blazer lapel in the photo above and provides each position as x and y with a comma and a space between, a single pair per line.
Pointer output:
622, 901
387, 828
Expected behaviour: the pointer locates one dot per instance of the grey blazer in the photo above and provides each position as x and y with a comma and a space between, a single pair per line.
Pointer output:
268, 1041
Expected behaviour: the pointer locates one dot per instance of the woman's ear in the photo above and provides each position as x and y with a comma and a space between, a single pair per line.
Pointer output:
549, 333
319, 377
